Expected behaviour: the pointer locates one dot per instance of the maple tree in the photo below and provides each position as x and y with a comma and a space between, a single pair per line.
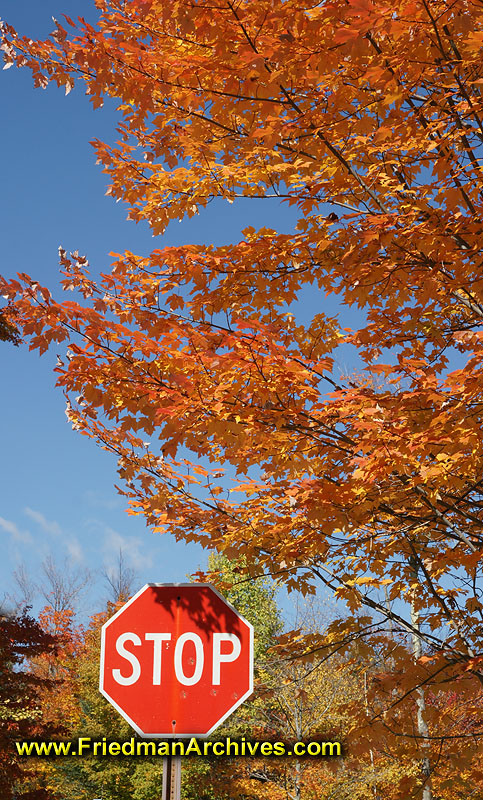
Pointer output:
367, 119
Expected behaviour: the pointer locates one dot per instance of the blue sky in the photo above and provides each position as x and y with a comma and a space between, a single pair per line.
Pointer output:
57, 493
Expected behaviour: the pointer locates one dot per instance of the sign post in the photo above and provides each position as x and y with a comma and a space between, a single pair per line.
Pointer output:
171, 778
176, 661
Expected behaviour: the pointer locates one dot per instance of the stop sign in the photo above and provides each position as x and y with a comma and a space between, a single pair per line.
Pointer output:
176, 660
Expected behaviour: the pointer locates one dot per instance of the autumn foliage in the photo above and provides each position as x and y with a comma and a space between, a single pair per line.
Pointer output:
366, 118
23, 640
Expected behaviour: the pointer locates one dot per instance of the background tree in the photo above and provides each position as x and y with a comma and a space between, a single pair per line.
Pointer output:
313, 696
120, 580
109, 778
140, 779
60, 586
256, 601
375, 110
59, 699
22, 639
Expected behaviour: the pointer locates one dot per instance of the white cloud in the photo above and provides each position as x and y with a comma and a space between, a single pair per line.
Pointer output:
74, 549
133, 550
49, 526
15, 532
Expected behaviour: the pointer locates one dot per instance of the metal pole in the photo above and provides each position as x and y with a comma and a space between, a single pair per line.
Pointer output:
171, 778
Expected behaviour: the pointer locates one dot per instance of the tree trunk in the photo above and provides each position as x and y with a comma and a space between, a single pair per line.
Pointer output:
422, 727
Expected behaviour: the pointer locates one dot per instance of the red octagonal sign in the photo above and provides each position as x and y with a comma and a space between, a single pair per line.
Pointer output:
176, 660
